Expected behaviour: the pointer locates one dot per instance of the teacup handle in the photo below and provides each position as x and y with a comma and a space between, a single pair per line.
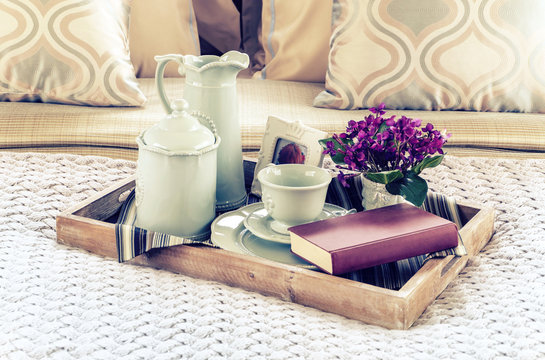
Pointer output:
162, 61
268, 203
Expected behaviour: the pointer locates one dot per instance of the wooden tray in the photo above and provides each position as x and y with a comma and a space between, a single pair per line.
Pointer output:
90, 225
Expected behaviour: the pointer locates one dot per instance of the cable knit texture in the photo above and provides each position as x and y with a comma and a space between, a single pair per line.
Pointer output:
58, 302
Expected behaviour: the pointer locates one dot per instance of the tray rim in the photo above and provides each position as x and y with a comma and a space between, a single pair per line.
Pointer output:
394, 309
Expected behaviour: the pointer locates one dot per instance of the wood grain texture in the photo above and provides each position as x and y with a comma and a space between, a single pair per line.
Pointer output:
306, 287
82, 227
105, 203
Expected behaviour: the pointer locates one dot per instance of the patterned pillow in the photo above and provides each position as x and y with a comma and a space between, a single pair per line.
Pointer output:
483, 55
295, 36
66, 51
161, 27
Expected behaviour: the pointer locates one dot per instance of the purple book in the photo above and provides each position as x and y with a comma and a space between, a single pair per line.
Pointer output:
368, 238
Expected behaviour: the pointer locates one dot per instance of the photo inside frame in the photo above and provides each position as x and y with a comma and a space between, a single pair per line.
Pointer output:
289, 152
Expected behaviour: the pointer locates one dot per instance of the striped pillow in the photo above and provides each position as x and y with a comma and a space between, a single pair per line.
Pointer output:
66, 51
437, 54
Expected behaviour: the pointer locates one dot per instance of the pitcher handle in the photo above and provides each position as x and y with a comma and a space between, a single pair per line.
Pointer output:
162, 61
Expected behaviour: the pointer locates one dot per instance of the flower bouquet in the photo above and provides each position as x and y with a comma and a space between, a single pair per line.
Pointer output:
388, 151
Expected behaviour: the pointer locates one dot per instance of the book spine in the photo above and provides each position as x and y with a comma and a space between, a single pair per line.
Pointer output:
393, 249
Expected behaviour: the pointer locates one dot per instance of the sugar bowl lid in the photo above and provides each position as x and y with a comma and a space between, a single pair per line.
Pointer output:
179, 131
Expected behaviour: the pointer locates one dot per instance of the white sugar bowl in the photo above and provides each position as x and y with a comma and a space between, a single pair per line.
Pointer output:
176, 175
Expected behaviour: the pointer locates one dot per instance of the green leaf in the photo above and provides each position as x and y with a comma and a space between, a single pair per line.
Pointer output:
323, 142
382, 127
412, 187
428, 163
384, 177
339, 157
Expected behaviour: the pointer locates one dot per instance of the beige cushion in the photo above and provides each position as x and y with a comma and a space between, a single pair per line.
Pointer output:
295, 37
161, 27
112, 131
66, 51
433, 55
292, 101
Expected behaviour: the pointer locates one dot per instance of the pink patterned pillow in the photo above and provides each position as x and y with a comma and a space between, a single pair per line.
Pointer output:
67, 51
483, 55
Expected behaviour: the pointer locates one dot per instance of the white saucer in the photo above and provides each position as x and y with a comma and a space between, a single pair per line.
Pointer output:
263, 226
229, 233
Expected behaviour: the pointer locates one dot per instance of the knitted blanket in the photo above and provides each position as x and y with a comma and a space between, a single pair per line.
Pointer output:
58, 302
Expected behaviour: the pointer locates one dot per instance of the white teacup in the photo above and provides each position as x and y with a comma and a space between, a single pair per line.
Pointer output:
293, 194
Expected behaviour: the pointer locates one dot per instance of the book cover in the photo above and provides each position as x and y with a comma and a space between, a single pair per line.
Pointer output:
368, 238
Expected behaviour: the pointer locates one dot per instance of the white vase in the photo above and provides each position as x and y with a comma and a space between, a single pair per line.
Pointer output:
375, 195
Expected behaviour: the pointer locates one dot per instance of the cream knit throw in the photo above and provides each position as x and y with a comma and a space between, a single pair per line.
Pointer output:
58, 302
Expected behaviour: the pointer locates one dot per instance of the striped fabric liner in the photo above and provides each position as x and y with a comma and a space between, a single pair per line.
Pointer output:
133, 241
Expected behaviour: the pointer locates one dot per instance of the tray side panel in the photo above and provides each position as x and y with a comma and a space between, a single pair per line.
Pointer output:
354, 300
105, 203
478, 231
92, 235
370, 304
430, 281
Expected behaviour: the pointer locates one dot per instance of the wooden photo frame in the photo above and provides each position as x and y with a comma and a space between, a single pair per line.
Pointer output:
287, 142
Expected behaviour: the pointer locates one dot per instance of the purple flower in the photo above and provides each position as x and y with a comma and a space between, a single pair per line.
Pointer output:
342, 179
352, 126
330, 148
378, 110
390, 121
379, 143
360, 157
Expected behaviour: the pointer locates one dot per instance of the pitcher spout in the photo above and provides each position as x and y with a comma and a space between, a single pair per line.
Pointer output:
214, 71
232, 60
236, 59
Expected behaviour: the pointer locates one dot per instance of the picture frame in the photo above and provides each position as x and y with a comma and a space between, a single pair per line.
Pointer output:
288, 142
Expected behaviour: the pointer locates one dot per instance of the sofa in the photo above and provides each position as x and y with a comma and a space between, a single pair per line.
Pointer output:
112, 131
282, 81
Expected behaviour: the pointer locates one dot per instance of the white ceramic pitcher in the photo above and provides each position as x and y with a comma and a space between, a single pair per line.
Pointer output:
210, 89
